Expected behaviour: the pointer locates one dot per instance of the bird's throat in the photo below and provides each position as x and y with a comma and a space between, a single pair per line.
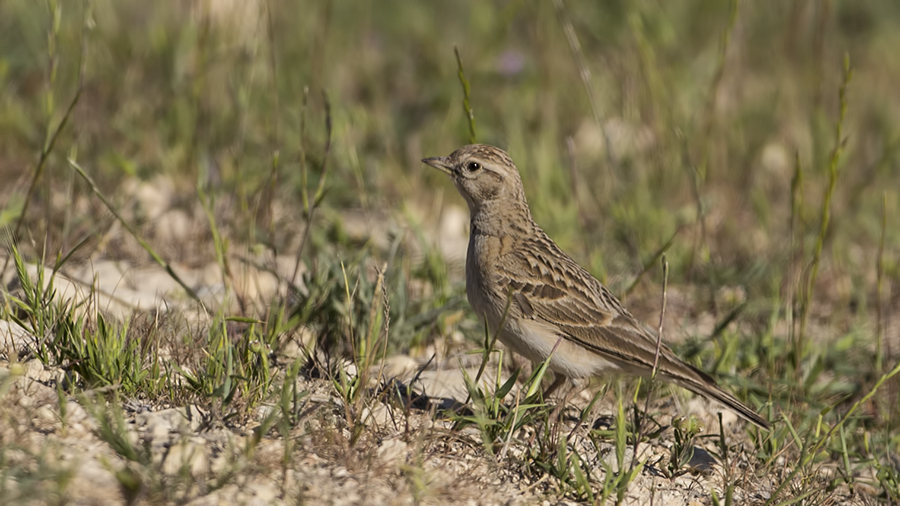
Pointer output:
500, 219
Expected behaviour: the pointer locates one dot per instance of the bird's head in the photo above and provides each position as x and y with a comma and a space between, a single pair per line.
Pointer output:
483, 175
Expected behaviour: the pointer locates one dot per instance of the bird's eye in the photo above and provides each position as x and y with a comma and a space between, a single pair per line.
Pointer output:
473, 166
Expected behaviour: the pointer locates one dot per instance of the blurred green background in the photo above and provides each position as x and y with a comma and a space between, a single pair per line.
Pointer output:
631, 122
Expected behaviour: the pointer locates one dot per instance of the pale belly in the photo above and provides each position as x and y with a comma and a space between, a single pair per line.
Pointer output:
536, 340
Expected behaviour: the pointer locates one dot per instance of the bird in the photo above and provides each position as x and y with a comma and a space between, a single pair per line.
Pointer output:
548, 305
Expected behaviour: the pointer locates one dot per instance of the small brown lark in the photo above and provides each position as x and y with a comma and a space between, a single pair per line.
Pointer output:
554, 305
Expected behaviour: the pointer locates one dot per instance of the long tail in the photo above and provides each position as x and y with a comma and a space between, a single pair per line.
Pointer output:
706, 386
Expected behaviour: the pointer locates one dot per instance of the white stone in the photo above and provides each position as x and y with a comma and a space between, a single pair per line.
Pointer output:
393, 451
186, 455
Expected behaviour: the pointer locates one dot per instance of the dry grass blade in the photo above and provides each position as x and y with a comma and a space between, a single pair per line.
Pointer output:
824, 220
467, 108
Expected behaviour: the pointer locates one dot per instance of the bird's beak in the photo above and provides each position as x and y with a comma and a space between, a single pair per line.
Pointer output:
440, 163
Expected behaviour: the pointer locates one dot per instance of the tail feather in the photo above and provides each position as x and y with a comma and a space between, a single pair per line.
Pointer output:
700, 383
709, 389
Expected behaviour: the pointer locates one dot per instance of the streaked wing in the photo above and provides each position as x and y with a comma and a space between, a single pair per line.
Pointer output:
546, 283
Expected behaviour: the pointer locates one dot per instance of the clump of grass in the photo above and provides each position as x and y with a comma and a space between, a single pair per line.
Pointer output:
99, 352
232, 375
684, 431
496, 420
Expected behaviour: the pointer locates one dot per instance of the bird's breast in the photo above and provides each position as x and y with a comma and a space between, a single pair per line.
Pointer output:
481, 285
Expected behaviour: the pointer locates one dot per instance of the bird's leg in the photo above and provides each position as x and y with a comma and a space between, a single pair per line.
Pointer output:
556, 414
562, 404
557, 382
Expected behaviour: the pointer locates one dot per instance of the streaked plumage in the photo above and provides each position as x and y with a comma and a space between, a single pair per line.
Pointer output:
551, 298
